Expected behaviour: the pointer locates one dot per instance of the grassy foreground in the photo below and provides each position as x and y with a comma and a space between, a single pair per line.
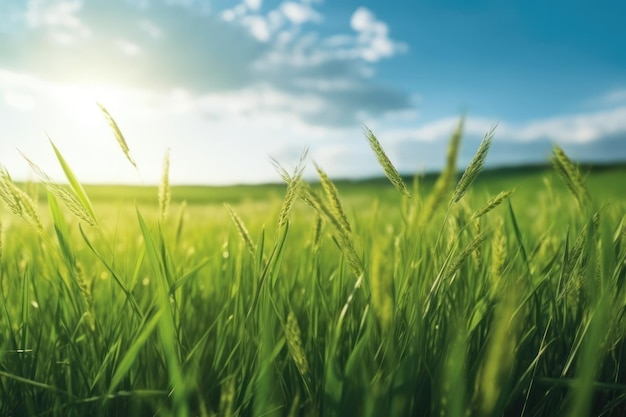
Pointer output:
449, 298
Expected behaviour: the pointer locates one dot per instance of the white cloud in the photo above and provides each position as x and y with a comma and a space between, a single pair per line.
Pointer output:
264, 26
237, 12
59, 18
152, 29
262, 103
253, 4
612, 97
300, 50
577, 128
373, 36
298, 13
22, 83
574, 128
440, 129
362, 20
229, 15
129, 48
258, 27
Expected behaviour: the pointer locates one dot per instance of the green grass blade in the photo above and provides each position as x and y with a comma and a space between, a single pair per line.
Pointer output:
78, 189
185, 278
132, 352
167, 329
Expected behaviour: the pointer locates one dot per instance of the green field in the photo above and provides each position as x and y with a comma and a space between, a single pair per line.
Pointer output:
321, 299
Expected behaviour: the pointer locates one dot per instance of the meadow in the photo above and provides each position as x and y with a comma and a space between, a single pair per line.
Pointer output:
464, 294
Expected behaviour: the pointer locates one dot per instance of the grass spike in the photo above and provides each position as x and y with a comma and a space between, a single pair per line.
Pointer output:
7, 193
570, 174
118, 134
493, 203
241, 228
165, 193
465, 253
18, 201
294, 185
474, 167
381, 284
1, 240
390, 171
498, 255
332, 194
446, 178
293, 335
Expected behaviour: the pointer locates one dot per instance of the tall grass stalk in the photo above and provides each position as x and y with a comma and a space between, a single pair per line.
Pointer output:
474, 167
446, 178
119, 137
570, 175
165, 194
243, 231
390, 171
335, 206
18, 201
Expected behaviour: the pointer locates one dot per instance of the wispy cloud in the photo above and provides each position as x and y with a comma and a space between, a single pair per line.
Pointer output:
576, 128
598, 135
611, 98
59, 20
166, 46
570, 128
255, 78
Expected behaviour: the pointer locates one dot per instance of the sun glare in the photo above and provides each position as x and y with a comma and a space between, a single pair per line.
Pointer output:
79, 101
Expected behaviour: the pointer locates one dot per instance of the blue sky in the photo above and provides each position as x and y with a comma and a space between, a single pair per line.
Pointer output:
227, 84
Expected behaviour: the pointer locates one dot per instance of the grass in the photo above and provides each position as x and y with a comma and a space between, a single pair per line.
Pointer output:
501, 295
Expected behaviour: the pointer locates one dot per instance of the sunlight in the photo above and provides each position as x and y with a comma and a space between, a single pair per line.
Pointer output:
79, 101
